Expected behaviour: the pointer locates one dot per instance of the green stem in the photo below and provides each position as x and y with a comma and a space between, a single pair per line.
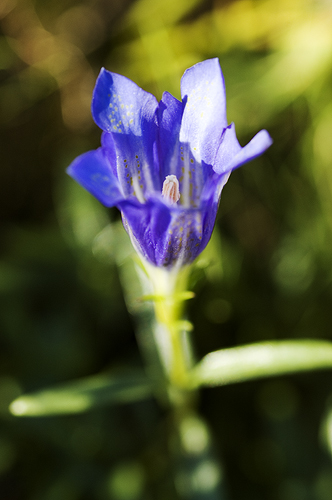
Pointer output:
169, 295
167, 320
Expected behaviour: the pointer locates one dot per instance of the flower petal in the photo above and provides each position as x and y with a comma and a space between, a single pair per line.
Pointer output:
231, 155
168, 236
204, 117
176, 158
93, 172
210, 204
169, 114
120, 106
147, 225
122, 109
109, 150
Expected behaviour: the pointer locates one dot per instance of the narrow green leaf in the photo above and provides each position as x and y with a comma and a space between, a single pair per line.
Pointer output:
259, 360
83, 395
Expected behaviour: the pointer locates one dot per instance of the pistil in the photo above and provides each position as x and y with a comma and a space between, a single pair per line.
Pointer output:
171, 189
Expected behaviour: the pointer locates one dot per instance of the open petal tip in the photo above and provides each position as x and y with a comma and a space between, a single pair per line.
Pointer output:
91, 170
206, 80
258, 144
208, 68
204, 117
119, 105
231, 155
264, 139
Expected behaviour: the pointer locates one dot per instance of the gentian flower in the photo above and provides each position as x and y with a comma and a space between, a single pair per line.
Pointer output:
164, 164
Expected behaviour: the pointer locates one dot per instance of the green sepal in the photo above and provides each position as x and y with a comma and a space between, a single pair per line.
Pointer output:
84, 395
264, 359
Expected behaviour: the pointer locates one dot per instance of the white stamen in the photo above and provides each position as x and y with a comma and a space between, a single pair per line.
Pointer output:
171, 189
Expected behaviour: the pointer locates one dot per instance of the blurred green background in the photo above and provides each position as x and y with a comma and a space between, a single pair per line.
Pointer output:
267, 274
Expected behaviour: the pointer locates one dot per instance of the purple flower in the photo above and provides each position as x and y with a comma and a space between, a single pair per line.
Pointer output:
164, 164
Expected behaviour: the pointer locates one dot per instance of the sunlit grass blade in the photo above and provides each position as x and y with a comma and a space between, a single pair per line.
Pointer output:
259, 360
84, 394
